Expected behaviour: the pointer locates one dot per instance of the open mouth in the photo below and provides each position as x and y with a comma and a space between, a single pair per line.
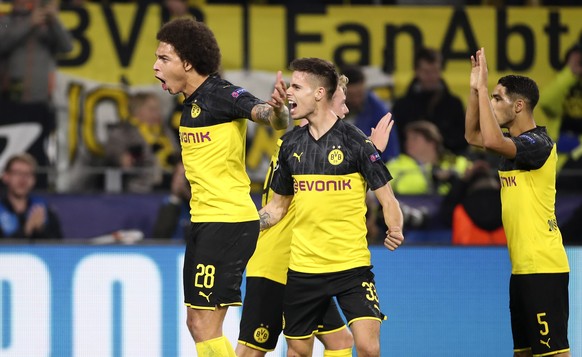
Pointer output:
164, 85
292, 106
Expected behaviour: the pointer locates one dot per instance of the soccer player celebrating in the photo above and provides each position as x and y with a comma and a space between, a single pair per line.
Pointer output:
538, 287
225, 223
325, 168
266, 274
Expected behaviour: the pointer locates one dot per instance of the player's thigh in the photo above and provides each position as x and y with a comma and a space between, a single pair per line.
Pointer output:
539, 312
215, 258
304, 304
357, 296
262, 314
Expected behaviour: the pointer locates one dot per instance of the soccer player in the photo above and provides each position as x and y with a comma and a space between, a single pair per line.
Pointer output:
266, 274
538, 287
325, 168
225, 223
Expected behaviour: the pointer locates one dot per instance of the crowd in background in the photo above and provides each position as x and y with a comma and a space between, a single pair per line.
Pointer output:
427, 153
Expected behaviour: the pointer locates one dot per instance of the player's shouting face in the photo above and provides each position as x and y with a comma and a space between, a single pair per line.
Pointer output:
171, 70
303, 94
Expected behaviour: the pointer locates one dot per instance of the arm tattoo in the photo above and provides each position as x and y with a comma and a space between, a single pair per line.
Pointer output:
265, 220
262, 113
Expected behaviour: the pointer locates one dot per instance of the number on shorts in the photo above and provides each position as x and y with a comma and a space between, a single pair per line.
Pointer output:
371, 289
545, 328
205, 276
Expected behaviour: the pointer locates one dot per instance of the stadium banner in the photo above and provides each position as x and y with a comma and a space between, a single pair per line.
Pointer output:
114, 46
125, 301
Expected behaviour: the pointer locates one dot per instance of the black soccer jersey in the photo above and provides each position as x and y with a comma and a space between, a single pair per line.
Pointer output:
528, 194
329, 178
213, 137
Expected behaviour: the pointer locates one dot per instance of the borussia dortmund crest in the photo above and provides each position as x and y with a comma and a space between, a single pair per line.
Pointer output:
195, 112
336, 156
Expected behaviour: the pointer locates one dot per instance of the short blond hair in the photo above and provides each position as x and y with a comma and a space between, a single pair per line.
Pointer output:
343, 82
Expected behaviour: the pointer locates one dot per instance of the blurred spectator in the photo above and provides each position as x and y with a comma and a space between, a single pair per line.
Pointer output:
23, 215
561, 102
472, 208
143, 146
173, 220
572, 228
366, 109
31, 38
178, 8
425, 167
428, 98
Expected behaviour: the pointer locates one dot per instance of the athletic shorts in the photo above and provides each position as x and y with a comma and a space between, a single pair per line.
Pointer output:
307, 298
262, 315
539, 313
216, 256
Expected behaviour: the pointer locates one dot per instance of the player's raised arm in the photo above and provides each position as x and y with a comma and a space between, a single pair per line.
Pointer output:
275, 210
472, 128
275, 112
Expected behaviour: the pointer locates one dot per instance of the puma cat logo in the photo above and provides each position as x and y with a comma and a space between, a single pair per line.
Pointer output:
547, 343
207, 297
298, 156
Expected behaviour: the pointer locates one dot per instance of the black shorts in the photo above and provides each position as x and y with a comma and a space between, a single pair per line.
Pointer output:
216, 256
308, 296
262, 315
539, 312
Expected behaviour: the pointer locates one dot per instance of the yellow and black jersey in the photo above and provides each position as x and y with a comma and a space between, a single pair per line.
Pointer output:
528, 192
213, 136
329, 178
271, 257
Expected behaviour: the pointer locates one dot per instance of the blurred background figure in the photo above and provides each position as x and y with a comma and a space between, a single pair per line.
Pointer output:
425, 166
366, 109
472, 208
561, 102
23, 215
173, 219
32, 36
428, 98
143, 146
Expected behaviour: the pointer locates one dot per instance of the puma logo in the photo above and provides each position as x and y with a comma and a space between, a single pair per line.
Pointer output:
207, 297
298, 156
547, 343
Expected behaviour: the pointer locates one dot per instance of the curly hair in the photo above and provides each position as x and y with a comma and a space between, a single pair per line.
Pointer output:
321, 69
194, 43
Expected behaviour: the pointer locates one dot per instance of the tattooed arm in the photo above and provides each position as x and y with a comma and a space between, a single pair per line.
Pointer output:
274, 211
274, 112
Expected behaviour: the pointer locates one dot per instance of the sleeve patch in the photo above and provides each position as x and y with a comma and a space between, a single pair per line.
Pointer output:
238, 92
375, 157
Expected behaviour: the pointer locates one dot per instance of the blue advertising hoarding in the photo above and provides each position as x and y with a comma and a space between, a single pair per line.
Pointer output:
126, 301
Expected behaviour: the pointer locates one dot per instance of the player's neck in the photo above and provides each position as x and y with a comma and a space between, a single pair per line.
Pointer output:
194, 82
321, 122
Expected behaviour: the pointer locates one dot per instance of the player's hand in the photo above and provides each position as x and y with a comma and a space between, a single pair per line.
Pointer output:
381, 133
279, 95
482, 65
474, 79
394, 238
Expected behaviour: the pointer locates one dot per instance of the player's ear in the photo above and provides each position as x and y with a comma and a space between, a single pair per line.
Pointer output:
187, 66
519, 105
319, 93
